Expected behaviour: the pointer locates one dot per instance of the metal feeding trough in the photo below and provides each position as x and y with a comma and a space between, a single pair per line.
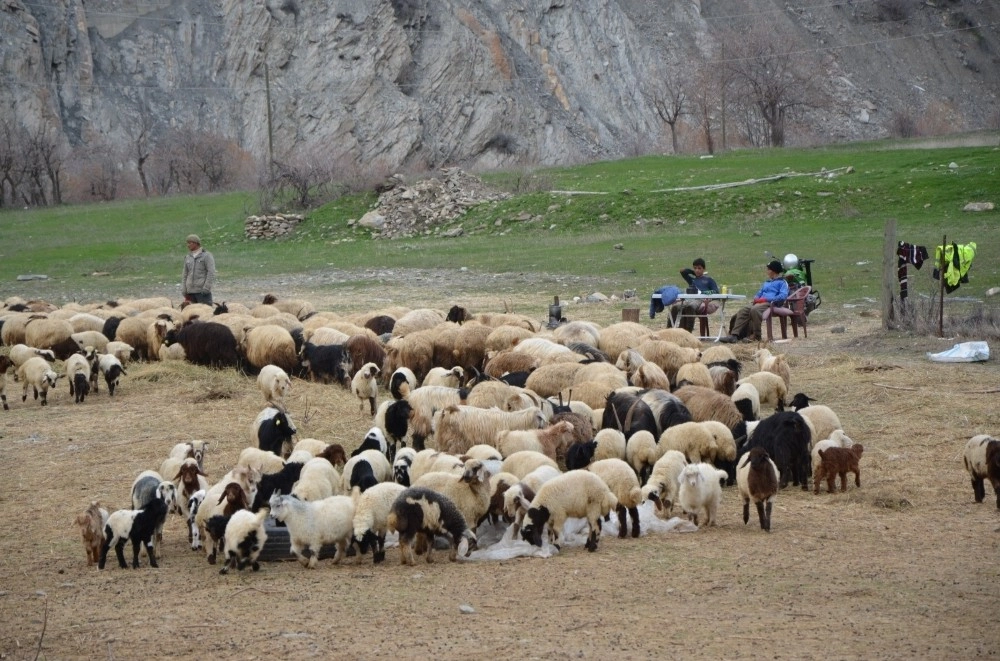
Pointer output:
277, 547
555, 313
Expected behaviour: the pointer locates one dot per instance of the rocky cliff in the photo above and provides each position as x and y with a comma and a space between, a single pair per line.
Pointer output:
479, 83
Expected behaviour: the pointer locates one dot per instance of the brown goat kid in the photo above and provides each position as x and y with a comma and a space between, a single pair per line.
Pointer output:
91, 523
838, 461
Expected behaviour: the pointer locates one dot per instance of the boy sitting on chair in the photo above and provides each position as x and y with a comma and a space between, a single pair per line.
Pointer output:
705, 284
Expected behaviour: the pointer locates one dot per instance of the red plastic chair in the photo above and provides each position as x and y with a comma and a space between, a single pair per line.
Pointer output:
794, 309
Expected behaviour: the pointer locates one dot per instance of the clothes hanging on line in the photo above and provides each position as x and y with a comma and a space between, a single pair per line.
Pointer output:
957, 262
908, 254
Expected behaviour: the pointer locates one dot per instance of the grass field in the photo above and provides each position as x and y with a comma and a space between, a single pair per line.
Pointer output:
838, 220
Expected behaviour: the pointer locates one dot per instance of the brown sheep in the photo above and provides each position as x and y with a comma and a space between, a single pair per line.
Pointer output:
91, 523
504, 362
838, 461
364, 349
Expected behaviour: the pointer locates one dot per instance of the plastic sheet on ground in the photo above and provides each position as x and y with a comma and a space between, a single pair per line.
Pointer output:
964, 352
496, 541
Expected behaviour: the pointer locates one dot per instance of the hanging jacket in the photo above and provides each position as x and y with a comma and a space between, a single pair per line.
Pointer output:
957, 262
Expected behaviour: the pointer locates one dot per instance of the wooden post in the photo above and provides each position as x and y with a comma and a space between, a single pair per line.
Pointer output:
630, 314
889, 269
941, 265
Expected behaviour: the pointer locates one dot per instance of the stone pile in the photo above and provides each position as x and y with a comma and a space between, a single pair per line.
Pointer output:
270, 227
428, 206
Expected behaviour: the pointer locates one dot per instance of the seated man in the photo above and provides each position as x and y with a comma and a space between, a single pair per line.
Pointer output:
745, 324
705, 284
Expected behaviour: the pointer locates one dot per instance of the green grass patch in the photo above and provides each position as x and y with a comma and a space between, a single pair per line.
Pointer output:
628, 233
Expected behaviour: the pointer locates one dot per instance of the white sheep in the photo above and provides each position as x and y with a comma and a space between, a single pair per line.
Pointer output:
371, 517
663, 483
441, 376
982, 460
401, 466
578, 493
456, 428
624, 484
123, 351
822, 419
269, 344
78, 374
757, 478
771, 388
747, 399
112, 370
91, 338
313, 524
245, 476
642, 452
260, 460
402, 382
318, 480
696, 374
19, 353
470, 491
36, 374
364, 385
700, 489
693, 439
776, 364
244, 540
551, 441
381, 469
611, 444
137, 525
274, 384
432, 461
524, 462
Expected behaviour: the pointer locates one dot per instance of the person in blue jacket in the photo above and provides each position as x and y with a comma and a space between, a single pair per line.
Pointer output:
745, 324
705, 284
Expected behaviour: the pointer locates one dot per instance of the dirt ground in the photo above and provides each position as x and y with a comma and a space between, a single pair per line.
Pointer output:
907, 566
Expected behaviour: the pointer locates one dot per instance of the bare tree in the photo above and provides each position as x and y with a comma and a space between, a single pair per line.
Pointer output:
13, 144
671, 102
771, 78
141, 135
45, 170
100, 169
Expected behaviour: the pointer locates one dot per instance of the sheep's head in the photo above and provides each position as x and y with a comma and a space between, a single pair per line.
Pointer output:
167, 492
690, 475
475, 472
279, 506
534, 522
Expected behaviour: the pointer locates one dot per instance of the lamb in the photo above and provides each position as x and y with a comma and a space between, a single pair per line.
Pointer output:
982, 460
663, 482
699, 490
757, 478
92, 522
551, 441
517, 499
837, 439
470, 491
232, 500
402, 382
122, 351
723, 379
312, 524
188, 479
624, 484
148, 485
770, 387
281, 482
78, 375
36, 374
273, 429
440, 376
838, 461
245, 477
137, 525
456, 428
611, 444
776, 364
418, 514
371, 517
524, 462
274, 384
365, 470
318, 480
786, 438
576, 493
245, 537
269, 344
642, 452
401, 466
112, 370
364, 385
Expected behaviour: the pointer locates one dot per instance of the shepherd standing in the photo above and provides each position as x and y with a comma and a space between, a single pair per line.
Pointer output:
199, 272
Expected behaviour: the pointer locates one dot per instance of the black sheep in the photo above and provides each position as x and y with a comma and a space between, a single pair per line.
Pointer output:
206, 343
628, 413
579, 455
397, 419
362, 476
380, 324
785, 437
327, 362
419, 514
280, 482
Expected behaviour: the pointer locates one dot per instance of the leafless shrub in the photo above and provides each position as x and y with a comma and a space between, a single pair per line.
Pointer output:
903, 125
972, 320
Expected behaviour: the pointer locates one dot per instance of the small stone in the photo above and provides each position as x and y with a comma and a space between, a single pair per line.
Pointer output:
979, 206
838, 329
953, 165
619, 246
466, 609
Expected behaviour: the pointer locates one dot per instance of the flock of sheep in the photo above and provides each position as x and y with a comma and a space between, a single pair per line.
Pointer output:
487, 419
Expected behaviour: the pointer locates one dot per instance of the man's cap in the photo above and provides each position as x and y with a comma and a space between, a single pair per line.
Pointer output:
775, 266
193, 238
